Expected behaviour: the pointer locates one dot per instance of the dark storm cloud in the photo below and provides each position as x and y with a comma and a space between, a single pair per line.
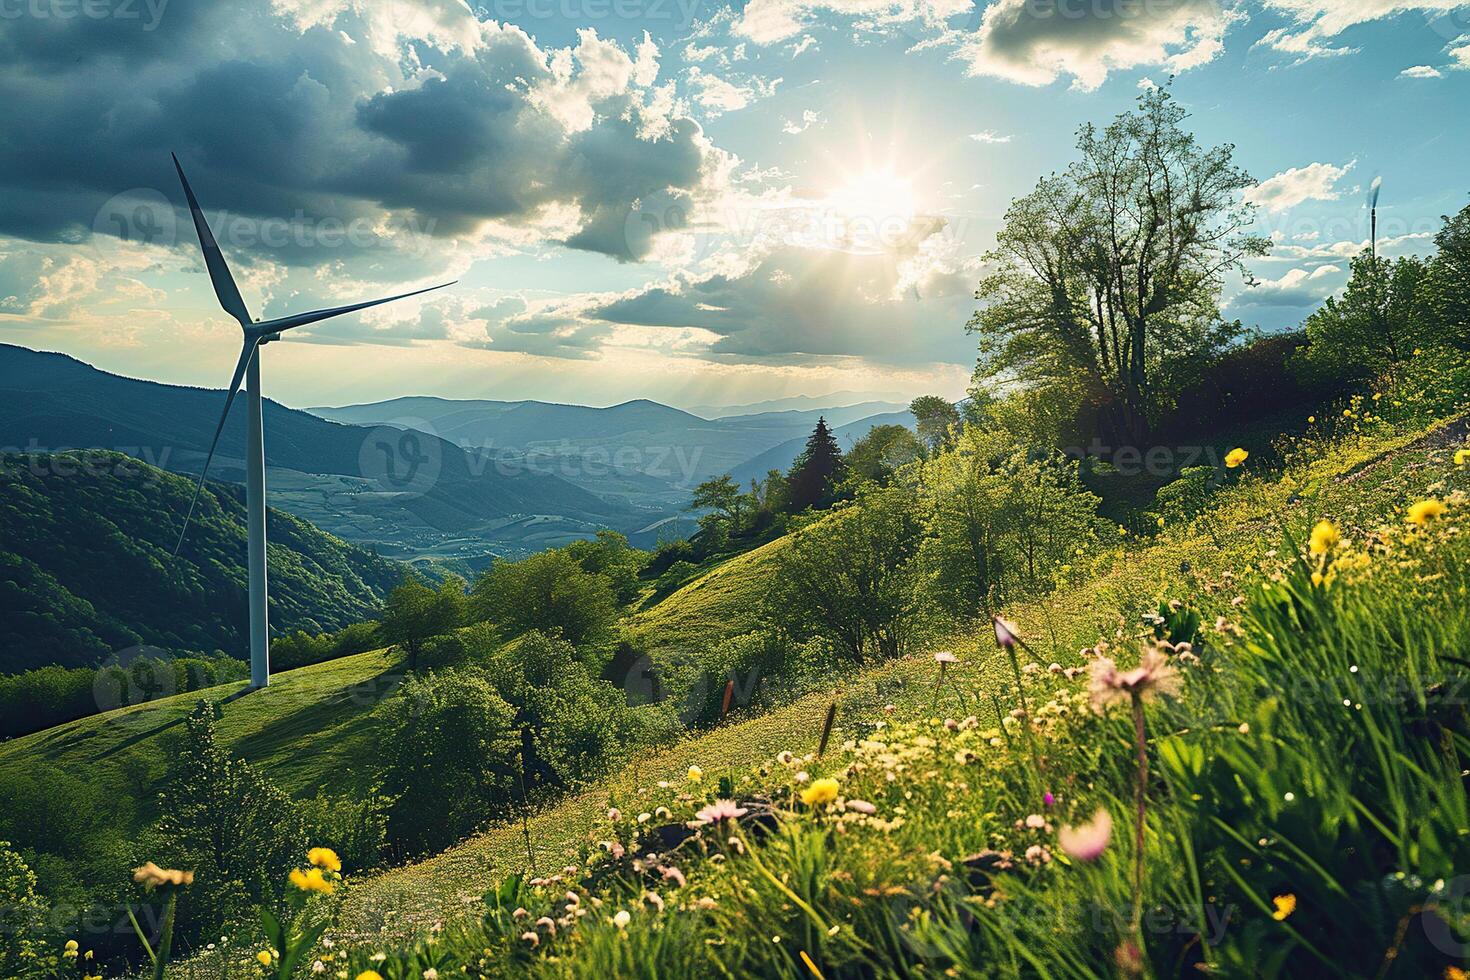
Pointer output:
319, 123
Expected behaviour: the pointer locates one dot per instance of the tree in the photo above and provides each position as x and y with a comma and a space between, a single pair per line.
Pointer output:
1447, 289
414, 613
936, 416
609, 555
882, 452
1374, 326
224, 821
816, 472
851, 578
550, 592
1113, 269
722, 496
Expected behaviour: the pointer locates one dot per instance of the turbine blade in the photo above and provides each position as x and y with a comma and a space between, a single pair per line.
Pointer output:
301, 319
214, 259
246, 352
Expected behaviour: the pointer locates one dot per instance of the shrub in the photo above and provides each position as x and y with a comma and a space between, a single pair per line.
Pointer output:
550, 592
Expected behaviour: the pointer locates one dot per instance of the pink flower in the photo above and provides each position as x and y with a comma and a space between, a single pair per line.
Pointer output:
945, 657
721, 810
1005, 632
1153, 676
862, 806
1047, 798
614, 814
673, 874
1087, 841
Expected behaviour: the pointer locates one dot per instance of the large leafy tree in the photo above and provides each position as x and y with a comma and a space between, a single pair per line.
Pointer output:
1447, 291
816, 472
937, 417
551, 592
1376, 324
1111, 271
414, 613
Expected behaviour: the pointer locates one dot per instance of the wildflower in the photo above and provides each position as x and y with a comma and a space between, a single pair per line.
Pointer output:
1087, 841
614, 814
1152, 676
151, 875
720, 810
862, 806
431, 974
673, 874
1424, 511
1311, 420
622, 919
1235, 457
1285, 905
1035, 821
1462, 456
819, 792
1455, 973
531, 938
695, 774
785, 758
70, 949
1006, 634
654, 899
263, 957
312, 880
1048, 798
1324, 538
944, 657
369, 975
324, 858
547, 923
707, 903
1160, 521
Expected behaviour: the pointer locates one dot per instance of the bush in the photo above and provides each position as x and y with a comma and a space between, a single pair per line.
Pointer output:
24, 951
766, 669
550, 592
354, 825
667, 554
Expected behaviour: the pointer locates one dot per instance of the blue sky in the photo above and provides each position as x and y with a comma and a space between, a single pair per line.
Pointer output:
674, 199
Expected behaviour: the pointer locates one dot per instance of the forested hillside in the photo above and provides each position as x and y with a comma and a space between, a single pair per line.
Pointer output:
86, 564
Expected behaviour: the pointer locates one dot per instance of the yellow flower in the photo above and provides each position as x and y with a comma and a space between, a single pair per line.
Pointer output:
69, 951
1455, 973
312, 880
819, 792
1462, 456
263, 957
1122, 531
369, 975
695, 774
1285, 905
1424, 511
1161, 522
1235, 457
1311, 419
1325, 537
325, 858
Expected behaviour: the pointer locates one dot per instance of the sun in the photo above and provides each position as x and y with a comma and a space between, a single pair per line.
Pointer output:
871, 210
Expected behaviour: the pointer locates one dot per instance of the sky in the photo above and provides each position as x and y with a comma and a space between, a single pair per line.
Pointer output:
692, 201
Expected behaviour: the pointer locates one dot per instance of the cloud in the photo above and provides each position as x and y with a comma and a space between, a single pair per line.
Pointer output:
991, 136
720, 95
1314, 182
769, 21
383, 115
1319, 23
1297, 287
1421, 71
808, 116
1035, 42
1347, 248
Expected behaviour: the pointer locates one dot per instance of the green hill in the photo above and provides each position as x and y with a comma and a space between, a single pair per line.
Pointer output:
87, 570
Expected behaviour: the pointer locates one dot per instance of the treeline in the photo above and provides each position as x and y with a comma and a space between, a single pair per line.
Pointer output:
38, 699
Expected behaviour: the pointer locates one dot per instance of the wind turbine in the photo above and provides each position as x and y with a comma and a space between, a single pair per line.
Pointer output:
247, 369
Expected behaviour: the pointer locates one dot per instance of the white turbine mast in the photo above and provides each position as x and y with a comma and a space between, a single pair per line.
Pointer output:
247, 369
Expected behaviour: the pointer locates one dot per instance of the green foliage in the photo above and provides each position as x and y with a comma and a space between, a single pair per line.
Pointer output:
25, 949
1375, 325
1187, 497
61, 604
937, 418
447, 752
851, 578
353, 824
414, 613
224, 821
879, 455
1447, 290
1002, 523
302, 649
817, 472
609, 555
1113, 269
551, 592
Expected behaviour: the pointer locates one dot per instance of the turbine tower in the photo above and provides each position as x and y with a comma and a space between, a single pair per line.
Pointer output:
247, 369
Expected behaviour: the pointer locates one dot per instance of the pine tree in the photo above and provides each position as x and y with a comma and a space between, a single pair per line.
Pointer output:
816, 472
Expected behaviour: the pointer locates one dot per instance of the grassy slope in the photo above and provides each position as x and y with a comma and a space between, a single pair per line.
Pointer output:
1360, 484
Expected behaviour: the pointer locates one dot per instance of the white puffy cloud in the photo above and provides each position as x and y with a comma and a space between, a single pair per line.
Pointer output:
1314, 182
1297, 287
719, 94
792, 127
1035, 42
1421, 71
991, 136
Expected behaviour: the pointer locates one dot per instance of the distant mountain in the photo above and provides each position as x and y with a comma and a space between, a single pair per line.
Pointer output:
781, 457
415, 495
639, 451
805, 403
86, 564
